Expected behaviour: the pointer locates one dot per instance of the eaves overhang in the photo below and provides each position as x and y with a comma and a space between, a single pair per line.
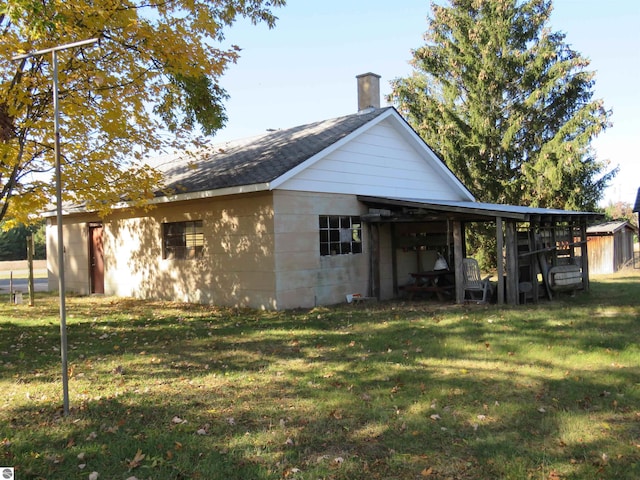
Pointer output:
473, 211
172, 198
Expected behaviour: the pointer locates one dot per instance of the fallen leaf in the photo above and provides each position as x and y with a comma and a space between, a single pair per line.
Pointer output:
137, 459
435, 416
177, 420
201, 431
554, 475
426, 472
94, 476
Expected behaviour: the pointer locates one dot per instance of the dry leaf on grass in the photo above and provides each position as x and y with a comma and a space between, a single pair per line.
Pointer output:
137, 460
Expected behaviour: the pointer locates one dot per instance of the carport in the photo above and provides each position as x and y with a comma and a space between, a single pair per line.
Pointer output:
542, 249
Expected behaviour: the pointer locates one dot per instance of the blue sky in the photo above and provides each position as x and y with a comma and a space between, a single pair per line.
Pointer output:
304, 69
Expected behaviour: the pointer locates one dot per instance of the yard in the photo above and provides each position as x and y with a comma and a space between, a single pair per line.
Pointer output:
411, 390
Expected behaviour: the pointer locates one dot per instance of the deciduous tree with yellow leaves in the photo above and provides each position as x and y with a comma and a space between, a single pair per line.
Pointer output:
151, 84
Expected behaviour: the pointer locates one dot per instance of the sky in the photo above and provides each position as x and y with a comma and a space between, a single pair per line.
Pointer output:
304, 69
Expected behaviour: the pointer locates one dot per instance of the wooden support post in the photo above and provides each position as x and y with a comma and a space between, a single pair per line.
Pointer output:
374, 248
458, 256
500, 253
394, 258
30, 248
584, 256
512, 263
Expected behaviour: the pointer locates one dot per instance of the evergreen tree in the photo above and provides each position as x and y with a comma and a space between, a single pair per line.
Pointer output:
13, 242
507, 104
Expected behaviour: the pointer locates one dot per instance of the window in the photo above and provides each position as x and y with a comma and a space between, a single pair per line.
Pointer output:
181, 240
340, 235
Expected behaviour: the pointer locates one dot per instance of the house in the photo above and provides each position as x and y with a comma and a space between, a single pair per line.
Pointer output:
610, 246
296, 218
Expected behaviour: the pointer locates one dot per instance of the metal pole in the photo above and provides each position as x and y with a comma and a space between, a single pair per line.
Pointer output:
58, 173
61, 282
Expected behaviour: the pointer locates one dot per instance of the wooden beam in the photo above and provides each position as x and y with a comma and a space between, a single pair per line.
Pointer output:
500, 248
374, 246
394, 257
535, 264
458, 255
512, 263
584, 254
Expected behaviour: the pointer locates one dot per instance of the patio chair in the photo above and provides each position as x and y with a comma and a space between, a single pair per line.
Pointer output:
476, 288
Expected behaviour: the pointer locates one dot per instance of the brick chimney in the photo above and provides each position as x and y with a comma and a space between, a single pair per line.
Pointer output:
368, 91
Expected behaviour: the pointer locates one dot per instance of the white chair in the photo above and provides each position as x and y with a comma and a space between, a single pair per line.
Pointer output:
476, 288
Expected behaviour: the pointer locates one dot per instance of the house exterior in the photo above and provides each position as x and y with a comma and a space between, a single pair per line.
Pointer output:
292, 218
610, 246
270, 222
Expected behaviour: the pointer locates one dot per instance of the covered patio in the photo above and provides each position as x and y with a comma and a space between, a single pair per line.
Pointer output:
540, 252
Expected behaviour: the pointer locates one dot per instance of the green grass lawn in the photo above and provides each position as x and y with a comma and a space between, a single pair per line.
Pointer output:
411, 390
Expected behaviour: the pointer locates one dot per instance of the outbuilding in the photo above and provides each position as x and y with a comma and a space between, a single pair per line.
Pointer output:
610, 246
306, 216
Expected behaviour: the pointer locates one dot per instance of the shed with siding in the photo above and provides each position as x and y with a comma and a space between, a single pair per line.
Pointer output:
610, 246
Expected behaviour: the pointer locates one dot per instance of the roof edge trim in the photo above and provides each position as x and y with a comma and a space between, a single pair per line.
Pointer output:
179, 197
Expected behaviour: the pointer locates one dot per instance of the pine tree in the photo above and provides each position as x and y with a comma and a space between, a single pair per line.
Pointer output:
507, 104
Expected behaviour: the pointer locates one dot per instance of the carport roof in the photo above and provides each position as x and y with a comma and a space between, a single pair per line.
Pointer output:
474, 211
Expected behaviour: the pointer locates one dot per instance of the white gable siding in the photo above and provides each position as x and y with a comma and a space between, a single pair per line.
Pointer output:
382, 162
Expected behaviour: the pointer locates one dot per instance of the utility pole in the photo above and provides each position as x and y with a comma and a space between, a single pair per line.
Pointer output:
61, 283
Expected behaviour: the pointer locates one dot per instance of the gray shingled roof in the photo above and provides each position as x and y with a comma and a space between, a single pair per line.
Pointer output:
260, 159
609, 227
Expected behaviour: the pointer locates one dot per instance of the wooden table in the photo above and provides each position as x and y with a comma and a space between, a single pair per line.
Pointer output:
434, 281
